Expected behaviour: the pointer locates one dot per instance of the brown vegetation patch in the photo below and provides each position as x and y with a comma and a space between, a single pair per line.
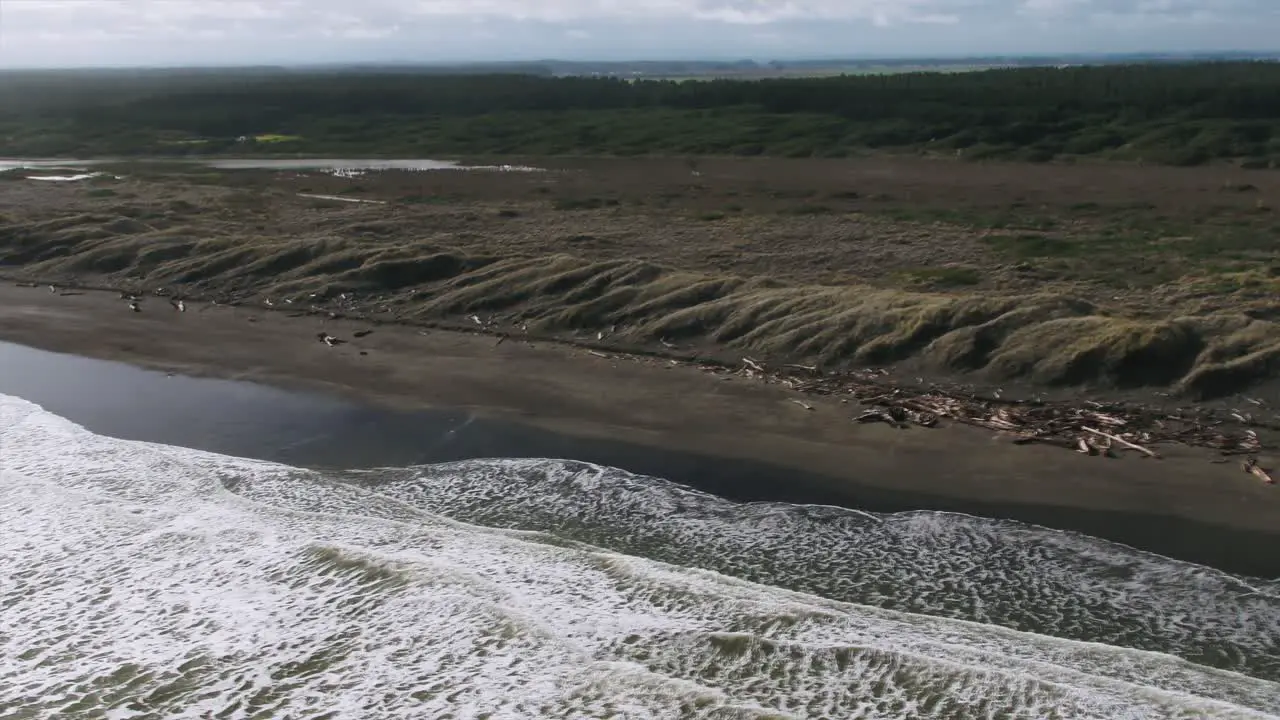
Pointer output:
1006, 272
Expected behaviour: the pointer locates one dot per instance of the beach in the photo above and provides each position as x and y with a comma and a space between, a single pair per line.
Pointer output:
1184, 505
607, 450
572, 550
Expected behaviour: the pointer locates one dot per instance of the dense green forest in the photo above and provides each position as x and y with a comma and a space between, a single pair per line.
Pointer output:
1171, 113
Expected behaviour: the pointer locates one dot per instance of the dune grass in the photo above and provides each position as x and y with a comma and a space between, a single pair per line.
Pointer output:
1098, 293
1047, 338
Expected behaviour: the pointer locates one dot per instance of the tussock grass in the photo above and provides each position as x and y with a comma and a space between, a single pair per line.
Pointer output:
1042, 338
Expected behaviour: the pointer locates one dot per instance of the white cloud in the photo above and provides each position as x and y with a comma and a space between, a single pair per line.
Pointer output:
1051, 8
220, 31
748, 12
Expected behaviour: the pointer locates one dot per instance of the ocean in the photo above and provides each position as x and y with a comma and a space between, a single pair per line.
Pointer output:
149, 580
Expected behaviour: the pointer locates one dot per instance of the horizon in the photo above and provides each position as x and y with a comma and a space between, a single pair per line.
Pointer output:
816, 60
79, 34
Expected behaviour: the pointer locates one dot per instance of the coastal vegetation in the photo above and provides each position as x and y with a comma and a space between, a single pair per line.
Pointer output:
1169, 113
1112, 278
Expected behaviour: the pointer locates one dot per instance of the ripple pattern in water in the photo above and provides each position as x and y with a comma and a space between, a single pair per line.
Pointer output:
147, 581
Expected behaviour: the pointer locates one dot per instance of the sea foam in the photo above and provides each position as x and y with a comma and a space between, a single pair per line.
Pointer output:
149, 581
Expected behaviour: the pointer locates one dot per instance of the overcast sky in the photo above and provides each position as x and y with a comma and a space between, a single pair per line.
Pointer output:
231, 32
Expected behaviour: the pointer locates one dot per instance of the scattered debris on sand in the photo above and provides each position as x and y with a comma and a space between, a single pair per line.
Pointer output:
1251, 466
1087, 427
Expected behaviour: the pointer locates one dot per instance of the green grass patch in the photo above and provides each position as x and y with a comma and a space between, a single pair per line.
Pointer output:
424, 200
1027, 246
272, 138
807, 209
589, 203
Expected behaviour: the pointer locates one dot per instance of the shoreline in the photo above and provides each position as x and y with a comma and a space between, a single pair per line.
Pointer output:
1184, 506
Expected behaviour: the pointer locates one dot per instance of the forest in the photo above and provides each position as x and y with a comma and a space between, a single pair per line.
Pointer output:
1166, 113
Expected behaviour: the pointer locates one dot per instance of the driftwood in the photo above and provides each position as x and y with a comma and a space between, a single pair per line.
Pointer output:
879, 416
1103, 427
1251, 466
1123, 443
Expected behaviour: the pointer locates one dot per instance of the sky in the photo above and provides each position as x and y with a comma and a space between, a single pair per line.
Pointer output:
79, 33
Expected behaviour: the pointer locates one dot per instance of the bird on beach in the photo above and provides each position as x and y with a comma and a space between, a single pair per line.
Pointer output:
53, 289
133, 305
178, 305
328, 339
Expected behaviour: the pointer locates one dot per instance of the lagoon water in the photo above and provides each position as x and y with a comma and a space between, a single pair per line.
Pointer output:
346, 573
329, 164
342, 166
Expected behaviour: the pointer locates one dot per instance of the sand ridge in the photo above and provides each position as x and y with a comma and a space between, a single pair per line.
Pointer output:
531, 250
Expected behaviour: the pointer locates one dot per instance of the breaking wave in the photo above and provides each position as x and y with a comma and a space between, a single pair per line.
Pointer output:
148, 581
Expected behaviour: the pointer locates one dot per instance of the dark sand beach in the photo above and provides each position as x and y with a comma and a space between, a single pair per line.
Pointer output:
733, 437
570, 313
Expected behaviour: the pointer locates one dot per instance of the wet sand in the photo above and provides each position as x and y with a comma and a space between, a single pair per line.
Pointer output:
733, 437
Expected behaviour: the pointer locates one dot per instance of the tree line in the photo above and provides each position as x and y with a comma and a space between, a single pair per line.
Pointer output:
1169, 112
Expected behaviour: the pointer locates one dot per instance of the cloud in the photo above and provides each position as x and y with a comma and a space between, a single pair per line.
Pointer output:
167, 13
1155, 10
248, 31
1051, 8
738, 12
